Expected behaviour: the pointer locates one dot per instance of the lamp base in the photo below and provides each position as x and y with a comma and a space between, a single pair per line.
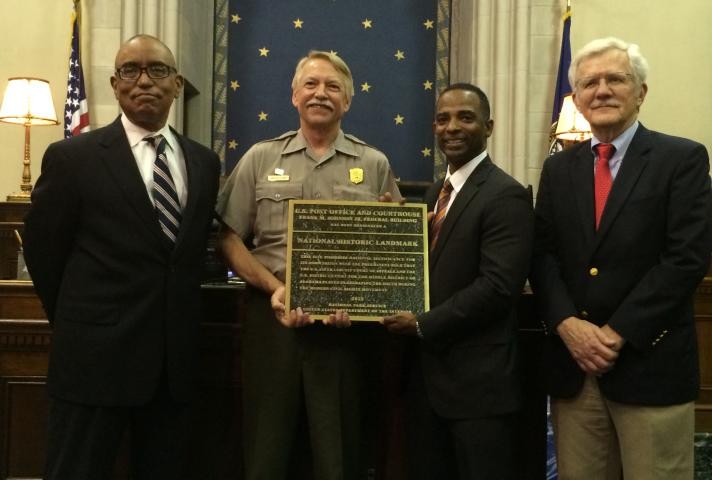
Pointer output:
20, 197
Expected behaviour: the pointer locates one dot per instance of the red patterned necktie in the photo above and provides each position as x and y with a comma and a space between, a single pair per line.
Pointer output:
602, 179
441, 211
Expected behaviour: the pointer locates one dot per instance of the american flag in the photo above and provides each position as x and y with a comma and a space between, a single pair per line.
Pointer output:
76, 108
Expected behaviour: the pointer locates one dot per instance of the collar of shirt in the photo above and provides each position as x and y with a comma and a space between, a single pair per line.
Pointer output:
298, 142
136, 134
145, 156
460, 176
621, 142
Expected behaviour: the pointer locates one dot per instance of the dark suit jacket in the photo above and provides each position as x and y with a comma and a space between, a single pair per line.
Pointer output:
123, 304
477, 272
650, 253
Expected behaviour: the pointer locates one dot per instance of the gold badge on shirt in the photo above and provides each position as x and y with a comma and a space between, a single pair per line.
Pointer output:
356, 175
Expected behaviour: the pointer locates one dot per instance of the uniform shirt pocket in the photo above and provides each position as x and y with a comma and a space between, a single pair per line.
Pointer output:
360, 193
272, 200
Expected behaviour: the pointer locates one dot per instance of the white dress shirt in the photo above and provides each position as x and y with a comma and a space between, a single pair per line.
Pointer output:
145, 156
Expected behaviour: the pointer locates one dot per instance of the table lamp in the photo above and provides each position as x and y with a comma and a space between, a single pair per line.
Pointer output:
27, 101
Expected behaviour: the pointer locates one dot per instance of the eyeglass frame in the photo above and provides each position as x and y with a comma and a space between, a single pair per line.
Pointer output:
592, 82
142, 70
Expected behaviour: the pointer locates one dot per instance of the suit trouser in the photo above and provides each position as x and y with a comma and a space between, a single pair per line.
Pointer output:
441, 448
84, 440
316, 369
597, 438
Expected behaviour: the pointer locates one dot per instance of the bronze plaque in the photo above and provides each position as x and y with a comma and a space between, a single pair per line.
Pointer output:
368, 258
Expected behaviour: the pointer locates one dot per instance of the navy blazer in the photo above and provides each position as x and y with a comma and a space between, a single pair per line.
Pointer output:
637, 273
477, 271
122, 302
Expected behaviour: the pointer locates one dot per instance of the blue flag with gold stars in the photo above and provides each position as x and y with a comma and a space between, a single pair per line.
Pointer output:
390, 47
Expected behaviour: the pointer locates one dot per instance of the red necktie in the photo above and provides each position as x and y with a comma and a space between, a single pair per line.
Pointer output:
602, 179
436, 223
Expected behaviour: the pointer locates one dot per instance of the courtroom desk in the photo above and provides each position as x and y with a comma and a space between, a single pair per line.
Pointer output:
11, 219
24, 352
703, 320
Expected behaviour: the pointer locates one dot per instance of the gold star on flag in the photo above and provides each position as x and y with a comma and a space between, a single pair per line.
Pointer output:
400, 55
399, 119
232, 144
365, 87
367, 23
264, 51
262, 116
427, 85
425, 152
428, 24
234, 85
236, 18
297, 23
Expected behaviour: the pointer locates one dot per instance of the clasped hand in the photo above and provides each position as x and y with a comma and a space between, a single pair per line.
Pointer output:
595, 349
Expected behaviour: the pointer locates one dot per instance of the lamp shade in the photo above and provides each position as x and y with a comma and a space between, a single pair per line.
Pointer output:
28, 101
572, 125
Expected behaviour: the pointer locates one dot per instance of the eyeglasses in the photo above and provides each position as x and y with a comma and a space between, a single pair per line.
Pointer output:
613, 80
155, 71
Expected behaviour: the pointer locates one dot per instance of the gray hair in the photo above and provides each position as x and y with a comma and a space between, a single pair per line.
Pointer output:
638, 64
336, 61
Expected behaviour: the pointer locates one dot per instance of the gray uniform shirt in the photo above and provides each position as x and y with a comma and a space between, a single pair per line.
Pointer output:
254, 200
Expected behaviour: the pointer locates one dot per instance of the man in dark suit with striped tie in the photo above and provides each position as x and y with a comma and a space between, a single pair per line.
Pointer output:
115, 242
463, 388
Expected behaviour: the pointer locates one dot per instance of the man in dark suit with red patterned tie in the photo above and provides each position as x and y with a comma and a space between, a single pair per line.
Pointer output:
115, 242
463, 387
622, 241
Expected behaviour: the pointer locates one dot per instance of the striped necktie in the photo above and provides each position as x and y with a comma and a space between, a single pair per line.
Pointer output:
165, 197
436, 223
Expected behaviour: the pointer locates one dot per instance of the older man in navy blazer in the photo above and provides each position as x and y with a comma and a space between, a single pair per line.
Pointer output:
120, 285
622, 241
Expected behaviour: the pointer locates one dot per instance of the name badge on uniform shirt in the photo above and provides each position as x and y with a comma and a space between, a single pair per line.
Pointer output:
356, 175
278, 176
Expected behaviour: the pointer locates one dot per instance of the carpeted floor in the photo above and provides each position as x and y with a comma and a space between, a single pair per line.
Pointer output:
703, 456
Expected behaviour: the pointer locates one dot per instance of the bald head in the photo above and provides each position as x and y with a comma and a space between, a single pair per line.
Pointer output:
142, 40
146, 100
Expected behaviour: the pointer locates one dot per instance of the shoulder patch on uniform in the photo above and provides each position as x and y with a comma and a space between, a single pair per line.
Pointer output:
354, 138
